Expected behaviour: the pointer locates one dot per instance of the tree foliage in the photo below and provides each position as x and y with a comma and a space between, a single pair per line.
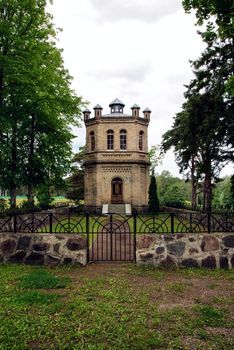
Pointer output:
223, 196
153, 206
218, 12
203, 133
75, 182
155, 157
173, 191
37, 106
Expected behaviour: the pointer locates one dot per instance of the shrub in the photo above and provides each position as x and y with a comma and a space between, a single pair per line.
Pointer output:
44, 197
153, 196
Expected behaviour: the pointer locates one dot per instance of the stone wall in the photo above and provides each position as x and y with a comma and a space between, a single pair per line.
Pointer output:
187, 250
43, 249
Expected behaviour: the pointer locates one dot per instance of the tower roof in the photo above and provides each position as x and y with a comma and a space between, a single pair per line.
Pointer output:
97, 107
147, 110
86, 110
116, 102
135, 106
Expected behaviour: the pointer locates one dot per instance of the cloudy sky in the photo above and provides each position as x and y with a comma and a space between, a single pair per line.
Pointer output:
136, 50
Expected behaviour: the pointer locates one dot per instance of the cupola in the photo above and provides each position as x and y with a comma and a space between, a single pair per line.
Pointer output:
135, 110
116, 106
146, 113
97, 111
86, 113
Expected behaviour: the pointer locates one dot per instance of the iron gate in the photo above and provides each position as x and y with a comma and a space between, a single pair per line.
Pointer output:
110, 238
113, 237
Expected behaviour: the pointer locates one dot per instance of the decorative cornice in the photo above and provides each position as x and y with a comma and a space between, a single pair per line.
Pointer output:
115, 162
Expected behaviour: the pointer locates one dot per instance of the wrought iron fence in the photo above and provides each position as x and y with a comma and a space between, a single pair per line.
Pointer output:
85, 223
113, 237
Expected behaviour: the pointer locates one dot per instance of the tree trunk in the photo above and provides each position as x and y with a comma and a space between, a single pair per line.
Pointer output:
208, 191
13, 196
1, 85
30, 184
193, 184
13, 184
204, 196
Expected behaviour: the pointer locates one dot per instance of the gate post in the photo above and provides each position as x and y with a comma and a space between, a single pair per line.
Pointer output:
172, 223
209, 222
15, 223
134, 234
51, 222
87, 235
111, 227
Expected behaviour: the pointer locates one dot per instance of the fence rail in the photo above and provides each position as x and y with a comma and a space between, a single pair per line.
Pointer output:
85, 223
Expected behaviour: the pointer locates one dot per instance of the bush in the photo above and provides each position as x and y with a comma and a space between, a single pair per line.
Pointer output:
153, 196
3, 204
44, 198
26, 205
175, 204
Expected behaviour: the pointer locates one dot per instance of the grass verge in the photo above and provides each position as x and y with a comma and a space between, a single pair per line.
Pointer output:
117, 306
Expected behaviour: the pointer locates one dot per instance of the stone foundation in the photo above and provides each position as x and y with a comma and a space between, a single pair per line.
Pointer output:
186, 250
43, 249
182, 249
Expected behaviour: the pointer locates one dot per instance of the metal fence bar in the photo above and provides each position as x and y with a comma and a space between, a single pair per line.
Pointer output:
87, 234
111, 227
209, 222
172, 223
51, 222
15, 224
160, 223
134, 233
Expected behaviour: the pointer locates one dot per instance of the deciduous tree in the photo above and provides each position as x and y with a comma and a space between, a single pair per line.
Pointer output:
37, 106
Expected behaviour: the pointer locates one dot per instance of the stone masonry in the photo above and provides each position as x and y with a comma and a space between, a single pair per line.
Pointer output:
43, 249
179, 250
186, 250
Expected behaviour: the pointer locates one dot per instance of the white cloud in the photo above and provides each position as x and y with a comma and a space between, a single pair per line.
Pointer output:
140, 10
136, 50
130, 71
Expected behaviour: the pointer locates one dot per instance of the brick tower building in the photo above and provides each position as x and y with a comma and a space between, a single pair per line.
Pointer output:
116, 165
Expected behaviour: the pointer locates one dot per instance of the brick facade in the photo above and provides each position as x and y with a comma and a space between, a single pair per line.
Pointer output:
129, 166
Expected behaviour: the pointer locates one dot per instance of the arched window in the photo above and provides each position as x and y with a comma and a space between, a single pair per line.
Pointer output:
141, 136
92, 140
110, 139
123, 139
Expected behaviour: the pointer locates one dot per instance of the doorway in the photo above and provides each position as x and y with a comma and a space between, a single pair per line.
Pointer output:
116, 191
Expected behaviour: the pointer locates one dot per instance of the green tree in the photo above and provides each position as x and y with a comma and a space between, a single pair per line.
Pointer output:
215, 67
75, 182
153, 206
181, 137
37, 106
155, 157
223, 195
173, 191
232, 186
218, 12
204, 134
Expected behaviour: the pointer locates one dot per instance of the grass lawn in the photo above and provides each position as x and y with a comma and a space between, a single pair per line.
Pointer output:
21, 199
115, 306
145, 224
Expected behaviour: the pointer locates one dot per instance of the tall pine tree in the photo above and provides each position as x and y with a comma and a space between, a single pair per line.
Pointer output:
153, 206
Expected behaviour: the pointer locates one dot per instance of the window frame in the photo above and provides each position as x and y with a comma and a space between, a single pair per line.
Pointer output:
92, 140
141, 140
123, 139
110, 140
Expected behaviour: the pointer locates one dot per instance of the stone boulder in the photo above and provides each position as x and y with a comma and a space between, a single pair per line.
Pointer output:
209, 243
76, 243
